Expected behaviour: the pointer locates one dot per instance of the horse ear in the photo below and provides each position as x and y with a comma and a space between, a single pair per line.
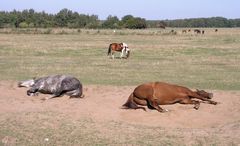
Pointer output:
34, 78
197, 90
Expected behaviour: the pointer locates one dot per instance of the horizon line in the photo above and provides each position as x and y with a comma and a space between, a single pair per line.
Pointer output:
54, 13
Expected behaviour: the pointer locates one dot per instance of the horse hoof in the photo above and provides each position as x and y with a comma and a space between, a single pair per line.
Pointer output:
44, 99
196, 107
164, 111
215, 103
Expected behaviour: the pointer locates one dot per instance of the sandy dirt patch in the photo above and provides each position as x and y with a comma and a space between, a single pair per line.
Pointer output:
104, 103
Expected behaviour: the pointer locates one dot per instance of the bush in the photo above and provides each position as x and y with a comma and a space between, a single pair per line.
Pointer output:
23, 25
31, 25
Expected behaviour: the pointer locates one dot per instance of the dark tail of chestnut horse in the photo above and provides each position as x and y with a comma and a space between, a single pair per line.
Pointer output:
109, 49
130, 104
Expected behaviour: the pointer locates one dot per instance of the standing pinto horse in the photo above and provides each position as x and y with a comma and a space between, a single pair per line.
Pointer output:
119, 47
160, 93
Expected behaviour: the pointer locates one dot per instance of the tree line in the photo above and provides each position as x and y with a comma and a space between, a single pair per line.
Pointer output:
67, 18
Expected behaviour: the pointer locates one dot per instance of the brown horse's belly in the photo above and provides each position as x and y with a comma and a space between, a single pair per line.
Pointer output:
165, 101
164, 97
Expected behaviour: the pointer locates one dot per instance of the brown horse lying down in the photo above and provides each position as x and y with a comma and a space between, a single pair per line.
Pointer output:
159, 93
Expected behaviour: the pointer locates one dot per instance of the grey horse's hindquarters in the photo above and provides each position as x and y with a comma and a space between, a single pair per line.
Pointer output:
72, 86
75, 93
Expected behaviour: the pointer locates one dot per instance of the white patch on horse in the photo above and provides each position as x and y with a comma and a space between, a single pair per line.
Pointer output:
41, 86
125, 48
122, 52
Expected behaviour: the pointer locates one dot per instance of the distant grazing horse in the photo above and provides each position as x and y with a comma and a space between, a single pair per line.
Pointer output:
162, 26
119, 47
197, 31
172, 31
184, 31
57, 85
159, 93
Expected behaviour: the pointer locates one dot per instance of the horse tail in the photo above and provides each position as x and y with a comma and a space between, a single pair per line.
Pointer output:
109, 49
130, 104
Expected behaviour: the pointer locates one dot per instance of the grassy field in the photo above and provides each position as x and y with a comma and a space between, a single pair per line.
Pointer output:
209, 61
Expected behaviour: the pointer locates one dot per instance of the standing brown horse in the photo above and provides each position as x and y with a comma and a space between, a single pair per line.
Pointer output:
119, 47
184, 31
197, 31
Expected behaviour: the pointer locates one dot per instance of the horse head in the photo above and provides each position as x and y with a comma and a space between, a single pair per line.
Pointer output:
127, 50
204, 94
127, 53
27, 83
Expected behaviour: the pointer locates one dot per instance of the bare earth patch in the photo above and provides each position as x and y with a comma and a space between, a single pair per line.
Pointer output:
102, 104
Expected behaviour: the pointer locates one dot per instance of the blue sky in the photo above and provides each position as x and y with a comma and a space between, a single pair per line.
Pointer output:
149, 9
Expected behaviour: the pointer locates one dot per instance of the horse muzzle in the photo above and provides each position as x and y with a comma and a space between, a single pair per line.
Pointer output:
210, 95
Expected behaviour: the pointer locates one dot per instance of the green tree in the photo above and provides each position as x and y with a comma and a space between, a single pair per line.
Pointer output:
111, 22
62, 17
131, 22
23, 25
92, 22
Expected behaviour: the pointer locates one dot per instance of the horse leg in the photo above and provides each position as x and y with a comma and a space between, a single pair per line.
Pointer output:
155, 105
32, 91
209, 101
75, 94
54, 96
122, 53
57, 93
112, 55
189, 101
204, 99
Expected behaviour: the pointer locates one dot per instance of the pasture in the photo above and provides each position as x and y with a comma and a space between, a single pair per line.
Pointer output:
210, 61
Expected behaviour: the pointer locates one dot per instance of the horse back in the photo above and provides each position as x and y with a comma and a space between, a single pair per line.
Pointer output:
116, 46
164, 93
170, 90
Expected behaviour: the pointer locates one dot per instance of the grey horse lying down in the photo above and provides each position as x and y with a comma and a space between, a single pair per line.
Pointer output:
57, 85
